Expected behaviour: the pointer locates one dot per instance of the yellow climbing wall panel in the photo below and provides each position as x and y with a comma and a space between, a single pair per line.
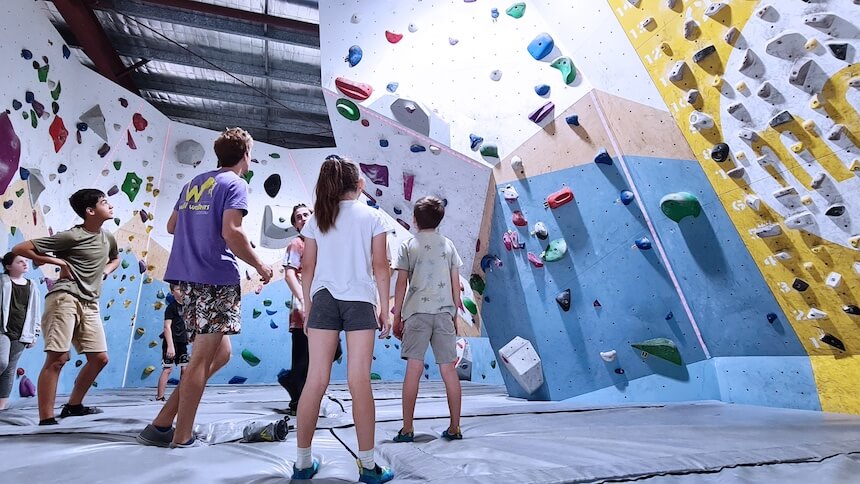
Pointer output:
657, 34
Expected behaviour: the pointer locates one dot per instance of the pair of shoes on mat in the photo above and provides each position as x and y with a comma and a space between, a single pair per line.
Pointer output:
455, 435
79, 410
404, 436
377, 475
151, 435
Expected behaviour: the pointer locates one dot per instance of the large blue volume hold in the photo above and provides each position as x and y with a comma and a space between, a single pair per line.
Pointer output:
541, 46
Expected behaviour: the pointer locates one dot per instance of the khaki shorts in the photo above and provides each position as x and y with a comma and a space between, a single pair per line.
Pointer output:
68, 320
435, 330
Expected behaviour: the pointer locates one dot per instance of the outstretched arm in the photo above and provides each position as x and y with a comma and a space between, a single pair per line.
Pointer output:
239, 244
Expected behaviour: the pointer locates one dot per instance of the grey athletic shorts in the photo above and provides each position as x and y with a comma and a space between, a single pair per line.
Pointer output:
330, 313
435, 330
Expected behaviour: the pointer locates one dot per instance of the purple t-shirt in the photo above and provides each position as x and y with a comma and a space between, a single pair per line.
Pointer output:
199, 252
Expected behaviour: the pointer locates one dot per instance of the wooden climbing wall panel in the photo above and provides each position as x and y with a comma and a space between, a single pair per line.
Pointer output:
744, 86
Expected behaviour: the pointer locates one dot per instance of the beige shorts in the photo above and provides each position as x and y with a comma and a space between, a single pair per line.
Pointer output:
434, 330
68, 320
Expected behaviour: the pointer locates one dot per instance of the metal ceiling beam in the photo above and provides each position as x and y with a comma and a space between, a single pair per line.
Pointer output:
218, 18
279, 138
227, 117
86, 28
227, 92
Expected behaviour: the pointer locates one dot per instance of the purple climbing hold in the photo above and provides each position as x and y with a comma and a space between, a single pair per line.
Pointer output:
541, 46
378, 192
141, 266
113, 191
408, 184
38, 107
104, 150
10, 151
144, 217
378, 174
542, 112
26, 388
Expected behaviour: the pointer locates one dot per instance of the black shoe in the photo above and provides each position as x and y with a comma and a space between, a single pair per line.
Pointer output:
78, 411
49, 421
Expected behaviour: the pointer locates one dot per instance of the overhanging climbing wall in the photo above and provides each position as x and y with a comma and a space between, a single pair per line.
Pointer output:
776, 82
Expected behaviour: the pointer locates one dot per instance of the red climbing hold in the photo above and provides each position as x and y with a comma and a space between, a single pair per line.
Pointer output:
392, 37
535, 260
518, 219
139, 122
130, 141
356, 90
408, 183
58, 133
559, 198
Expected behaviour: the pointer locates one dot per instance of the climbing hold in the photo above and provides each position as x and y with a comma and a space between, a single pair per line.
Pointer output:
383, 143
555, 251
496, 75
693, 96
626, 197
661, 348
559, 198
535, 261
273, 325
489, 262
378, 174
720, 152
542, 112
510, 193
700, 121
799, 285
393, 37
679, 69
511, 241
602, 157
835, 210
470, 305
131, 185
475, 142
392, 86
347, 109
250, 358
608, 356
26, 54
26, 388
568, 70
141, 267
780, 119
714, 8
237, 380
815, 313
518, 219
517, 163
572, 120
563, 300
643, 243
540, 231
541, 46
516, 10
800, 220
490, 150
416, 148
703, 54
851, 309
356, 90
354, 56
542, 89
833, 341
838, 49
834, 280
435, 149
647, 23
408, 183
771, 318
678, 205
147, 371
140, 331
748, 60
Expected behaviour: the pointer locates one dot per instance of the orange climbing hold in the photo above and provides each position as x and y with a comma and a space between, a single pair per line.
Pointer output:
356, 90
559, 198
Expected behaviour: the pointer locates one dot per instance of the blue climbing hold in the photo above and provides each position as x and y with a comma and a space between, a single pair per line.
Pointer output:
271, 312
66, 52
24, 173
397, 211
62, 168
392, 86
417, 148
7, 204
572, 120
383, 143
494, 12
82, 126
542, 89
16, 104
643, 243
541, 46
670, 315
603, 157
273, 325
29, 97
354, 55
771, 318
490, 261
475, 142
626, 197
237, 380
26, 54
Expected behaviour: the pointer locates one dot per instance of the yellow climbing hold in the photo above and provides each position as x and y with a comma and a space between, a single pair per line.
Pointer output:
148, 371
797, 147
815, 102
740, 155
809, 125
140, 331
811, 44
666, 48
808, 266
806, 200
717, 81
855, 165
855, 241
741, 86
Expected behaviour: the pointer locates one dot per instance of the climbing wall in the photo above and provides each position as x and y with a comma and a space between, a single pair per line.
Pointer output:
764, 92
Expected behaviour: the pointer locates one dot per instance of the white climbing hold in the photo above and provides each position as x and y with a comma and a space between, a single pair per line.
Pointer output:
700, 121
692, 96
764, 11
517, 163
764, 161
671, 3
736, 172
731, 35
510, 193
782, 255
453, 41
769, 230
747, 134
784, 192
521, 359
714, 8
818, 180
854, 82
800, 220
690, 29
608, 356
435, 149
753, 202
678, 70
635, 3
836, 132
646, 23
355, 18
819, 20
815, 313
834, 280
412, 28
747, 61
496, 75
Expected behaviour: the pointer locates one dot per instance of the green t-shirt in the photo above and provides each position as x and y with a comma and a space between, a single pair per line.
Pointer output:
87, 254
428, 257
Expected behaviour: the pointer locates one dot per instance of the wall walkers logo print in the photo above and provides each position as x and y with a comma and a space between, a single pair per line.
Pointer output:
194, 192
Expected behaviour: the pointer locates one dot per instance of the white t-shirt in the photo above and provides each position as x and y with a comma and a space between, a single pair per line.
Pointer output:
344, 262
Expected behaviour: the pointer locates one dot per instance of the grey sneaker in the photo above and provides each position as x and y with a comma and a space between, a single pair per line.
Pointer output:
191, 443
153, 436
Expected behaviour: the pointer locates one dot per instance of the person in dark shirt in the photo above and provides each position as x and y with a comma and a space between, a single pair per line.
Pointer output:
174, 348
20, 317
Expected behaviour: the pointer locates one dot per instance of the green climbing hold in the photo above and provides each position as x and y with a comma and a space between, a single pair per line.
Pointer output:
274, 155
470, 305
13, 229
375, 376
490, 150
34, 120
124, 264
43, 72
250, 358
147, 371
267, 302
678, 205
568, 70
131, 185
20, 192
516, 10
257, 313
117, 165
348, 109
55, 94
661, 348
247, 176
477, 284
556, 250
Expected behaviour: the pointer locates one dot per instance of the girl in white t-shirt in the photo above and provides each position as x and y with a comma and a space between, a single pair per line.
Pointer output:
345, 275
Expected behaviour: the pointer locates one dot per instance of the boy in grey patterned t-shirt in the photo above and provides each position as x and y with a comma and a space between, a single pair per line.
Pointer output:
428, 264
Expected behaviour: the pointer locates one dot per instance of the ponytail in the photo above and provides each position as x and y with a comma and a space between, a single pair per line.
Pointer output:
338, 176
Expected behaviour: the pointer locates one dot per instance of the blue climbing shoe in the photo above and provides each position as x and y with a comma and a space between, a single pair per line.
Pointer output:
455, 436
404, 436
307, 472
377, 475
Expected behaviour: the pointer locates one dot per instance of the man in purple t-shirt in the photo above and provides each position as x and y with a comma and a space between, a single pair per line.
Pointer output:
208, 236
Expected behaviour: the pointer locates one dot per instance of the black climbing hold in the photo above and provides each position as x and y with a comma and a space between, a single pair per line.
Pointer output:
272, 185
839, 50
597, 304
670, 315
563, 300
16, 104
833, 341
799, 285
835, 211
771, 318
383, 143
397, 211
619, 371
62, 168
29, 96
851, 309
699, 56
720, 152
780, 119
26, 54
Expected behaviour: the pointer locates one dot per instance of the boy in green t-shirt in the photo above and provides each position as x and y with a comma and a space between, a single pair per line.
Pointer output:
86, 255
428, 264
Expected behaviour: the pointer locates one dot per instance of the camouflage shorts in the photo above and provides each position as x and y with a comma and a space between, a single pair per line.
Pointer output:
212, 309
